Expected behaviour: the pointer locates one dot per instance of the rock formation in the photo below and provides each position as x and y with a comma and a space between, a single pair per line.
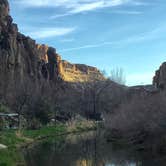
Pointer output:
21, 56
79, 72
159, 79
18, 53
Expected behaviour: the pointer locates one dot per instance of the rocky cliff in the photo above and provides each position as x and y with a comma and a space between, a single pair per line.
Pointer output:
79, 72
21, 56
159, 79
67, 71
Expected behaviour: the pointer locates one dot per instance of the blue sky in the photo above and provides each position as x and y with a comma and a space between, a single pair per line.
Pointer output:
108, 34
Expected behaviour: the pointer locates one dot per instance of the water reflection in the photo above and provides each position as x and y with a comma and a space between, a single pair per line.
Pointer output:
88, 149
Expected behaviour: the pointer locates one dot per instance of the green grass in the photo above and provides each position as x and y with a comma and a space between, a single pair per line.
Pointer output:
44, 132
14, 140
9, 138
12, 155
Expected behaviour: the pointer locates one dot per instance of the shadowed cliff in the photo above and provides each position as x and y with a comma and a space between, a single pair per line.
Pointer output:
159, 79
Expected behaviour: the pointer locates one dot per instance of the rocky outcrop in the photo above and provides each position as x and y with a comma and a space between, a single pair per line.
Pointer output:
159, 79
21, 56
52, 63
42, 50
79, 72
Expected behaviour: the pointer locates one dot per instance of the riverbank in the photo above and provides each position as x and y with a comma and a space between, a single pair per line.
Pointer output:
14, 140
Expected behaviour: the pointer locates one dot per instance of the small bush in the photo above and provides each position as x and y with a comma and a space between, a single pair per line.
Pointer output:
3, 108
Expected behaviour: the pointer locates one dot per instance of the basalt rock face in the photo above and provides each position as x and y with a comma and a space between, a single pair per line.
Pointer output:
18, 53
21, 56
159, 79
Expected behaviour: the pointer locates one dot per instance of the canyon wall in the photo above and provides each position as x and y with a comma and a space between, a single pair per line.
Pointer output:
21, 56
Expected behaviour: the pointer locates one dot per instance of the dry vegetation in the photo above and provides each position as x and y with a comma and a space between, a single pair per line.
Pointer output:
141, 114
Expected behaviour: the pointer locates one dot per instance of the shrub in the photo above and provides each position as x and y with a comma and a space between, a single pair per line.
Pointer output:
34, 124
141, 113
3, 108
42, 111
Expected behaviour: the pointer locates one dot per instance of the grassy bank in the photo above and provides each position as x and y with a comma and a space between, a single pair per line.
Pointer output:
15, 140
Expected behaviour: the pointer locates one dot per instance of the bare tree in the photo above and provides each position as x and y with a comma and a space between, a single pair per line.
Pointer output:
118, 76
91, 96
20, 98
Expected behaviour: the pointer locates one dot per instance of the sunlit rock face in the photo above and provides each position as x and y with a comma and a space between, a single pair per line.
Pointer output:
159, 79
21, 56
42, 49
79, 72
53, 65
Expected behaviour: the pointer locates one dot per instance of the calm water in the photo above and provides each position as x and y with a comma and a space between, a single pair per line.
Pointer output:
88, 149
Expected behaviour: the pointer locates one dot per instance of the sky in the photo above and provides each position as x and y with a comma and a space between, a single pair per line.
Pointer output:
108, 34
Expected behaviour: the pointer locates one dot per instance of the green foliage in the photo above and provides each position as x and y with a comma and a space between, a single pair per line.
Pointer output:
3, 108
11, 157
42, 111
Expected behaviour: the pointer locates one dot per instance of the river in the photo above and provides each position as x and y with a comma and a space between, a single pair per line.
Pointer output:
88, 149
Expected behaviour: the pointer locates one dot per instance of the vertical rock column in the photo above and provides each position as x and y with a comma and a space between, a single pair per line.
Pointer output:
52, 63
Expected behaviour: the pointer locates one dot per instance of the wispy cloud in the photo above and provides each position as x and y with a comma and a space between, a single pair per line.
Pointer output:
41, 3
87, 7
87, 46
142, 37
73, 4
126, 12
76, 6
49, 32
60, 15
67, 40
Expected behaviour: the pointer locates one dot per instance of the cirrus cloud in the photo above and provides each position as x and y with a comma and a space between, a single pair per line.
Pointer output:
49, 32
76, 6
